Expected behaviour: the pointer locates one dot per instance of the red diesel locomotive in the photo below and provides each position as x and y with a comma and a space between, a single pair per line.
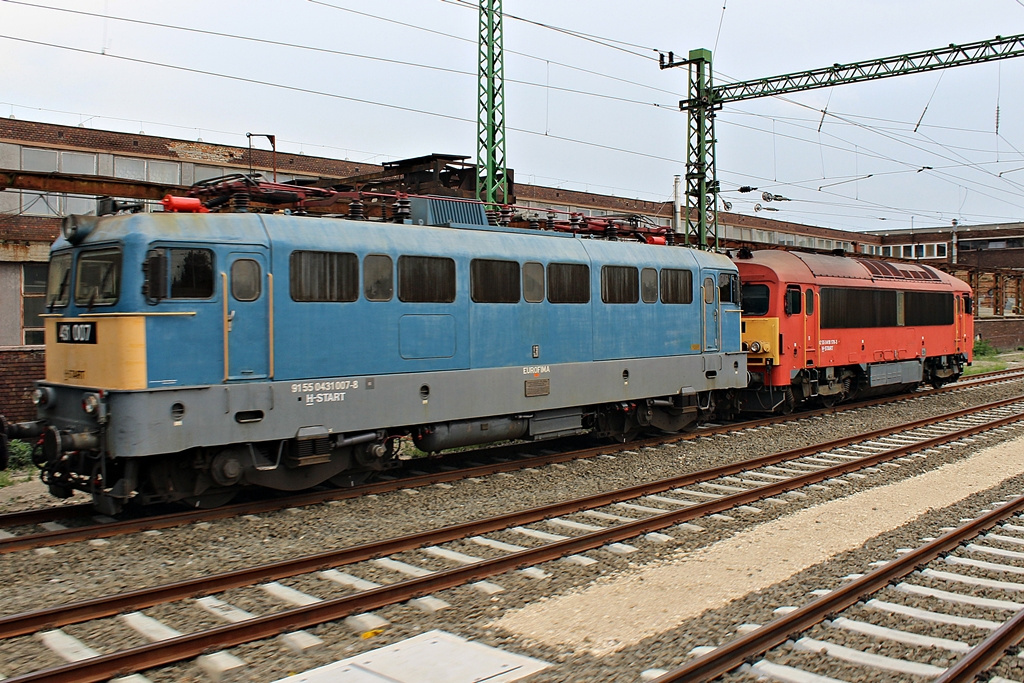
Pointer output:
831, 328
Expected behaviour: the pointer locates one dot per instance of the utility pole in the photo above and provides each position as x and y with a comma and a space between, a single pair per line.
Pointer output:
491, 174
703, 99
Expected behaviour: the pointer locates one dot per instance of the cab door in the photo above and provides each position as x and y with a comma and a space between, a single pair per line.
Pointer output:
711, 320
247, 316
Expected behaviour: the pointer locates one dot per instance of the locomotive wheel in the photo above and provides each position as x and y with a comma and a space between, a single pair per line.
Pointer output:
349, 479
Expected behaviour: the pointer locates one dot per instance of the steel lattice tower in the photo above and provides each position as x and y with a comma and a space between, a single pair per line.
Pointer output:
491, 182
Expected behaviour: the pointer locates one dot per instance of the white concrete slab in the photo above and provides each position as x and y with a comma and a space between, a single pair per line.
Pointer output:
67, 647
848, 654
223, 610
289, 595
149, 628
432, 657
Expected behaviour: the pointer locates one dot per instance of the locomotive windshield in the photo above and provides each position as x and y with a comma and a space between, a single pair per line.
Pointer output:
755, 299
98, 281
58, 281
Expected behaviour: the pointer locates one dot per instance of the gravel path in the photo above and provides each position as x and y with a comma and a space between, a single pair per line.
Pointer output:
78, 571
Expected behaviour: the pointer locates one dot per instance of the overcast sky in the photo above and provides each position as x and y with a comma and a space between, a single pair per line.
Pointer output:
391, 79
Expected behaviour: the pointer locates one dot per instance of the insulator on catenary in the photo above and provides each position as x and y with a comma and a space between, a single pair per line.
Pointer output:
402, 208
551, 221
240, 202
506, 215
355, 210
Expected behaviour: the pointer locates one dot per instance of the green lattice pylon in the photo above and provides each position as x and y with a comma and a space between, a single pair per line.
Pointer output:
491, 181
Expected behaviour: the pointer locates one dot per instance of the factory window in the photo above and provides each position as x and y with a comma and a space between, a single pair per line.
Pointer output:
424, 279
323, 276
843, 307
533, 282
676, 286
78, 204
620, 285
940, 250
40, 203
755, 299
886, 251
42, 160
130, 169
58, 280
568, 283
245, 280
649, 285
918, 250
98, 280
78, 163
494, 282
378, 278
928, 308
166, 172
33, 301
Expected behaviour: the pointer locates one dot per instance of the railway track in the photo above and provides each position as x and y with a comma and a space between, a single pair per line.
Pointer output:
76, 523
980, 543
504, 543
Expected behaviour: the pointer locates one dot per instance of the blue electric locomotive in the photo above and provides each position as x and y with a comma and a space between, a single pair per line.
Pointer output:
189, 355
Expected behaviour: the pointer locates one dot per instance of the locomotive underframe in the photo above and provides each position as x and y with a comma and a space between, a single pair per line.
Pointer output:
833, 385
202, 445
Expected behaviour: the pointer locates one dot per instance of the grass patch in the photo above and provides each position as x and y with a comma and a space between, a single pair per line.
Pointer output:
20, 468
985, 364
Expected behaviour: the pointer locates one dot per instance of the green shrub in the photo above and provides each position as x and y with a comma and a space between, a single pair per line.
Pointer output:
983, 348
21, 455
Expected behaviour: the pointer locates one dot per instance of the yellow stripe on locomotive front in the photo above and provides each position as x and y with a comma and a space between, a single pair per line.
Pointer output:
114, 358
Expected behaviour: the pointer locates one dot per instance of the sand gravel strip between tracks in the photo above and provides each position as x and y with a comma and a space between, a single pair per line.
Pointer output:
622, 611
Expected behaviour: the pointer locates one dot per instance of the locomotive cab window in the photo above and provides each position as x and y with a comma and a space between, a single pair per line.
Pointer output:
98, 280
178, 273
709, 290
378, 277
569, 283
323, 276
728, 287
58, 281
533, 282
620, 285
676, 286
494, 282
245, 280
426, 279
809, 301
792, 299
755, 299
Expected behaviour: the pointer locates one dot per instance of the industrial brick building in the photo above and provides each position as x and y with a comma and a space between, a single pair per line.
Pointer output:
49, 171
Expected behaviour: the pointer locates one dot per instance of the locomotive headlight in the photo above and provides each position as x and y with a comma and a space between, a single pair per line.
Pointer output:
43, 397
755, 347
90, 404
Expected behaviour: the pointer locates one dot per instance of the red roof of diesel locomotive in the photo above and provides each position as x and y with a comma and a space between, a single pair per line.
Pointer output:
774, 265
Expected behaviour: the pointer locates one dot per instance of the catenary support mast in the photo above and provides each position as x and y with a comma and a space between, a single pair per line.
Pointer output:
491, 181
703, 99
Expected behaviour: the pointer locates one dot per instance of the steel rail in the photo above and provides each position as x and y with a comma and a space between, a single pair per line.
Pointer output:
192, 645
60, 615
735, 652
986, 653
121, 527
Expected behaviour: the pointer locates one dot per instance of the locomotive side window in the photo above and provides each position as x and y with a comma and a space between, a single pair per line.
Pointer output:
378, 278
424, 279
709, 290
843, 307
793, 299
191, 273
533, 282
568, 283
322, 276
494, 282
809, 301
620, 285
58, 281
968, 305
755, 299
929, 308
649, 285
728, 284
245, 280
99, 277
676, 286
